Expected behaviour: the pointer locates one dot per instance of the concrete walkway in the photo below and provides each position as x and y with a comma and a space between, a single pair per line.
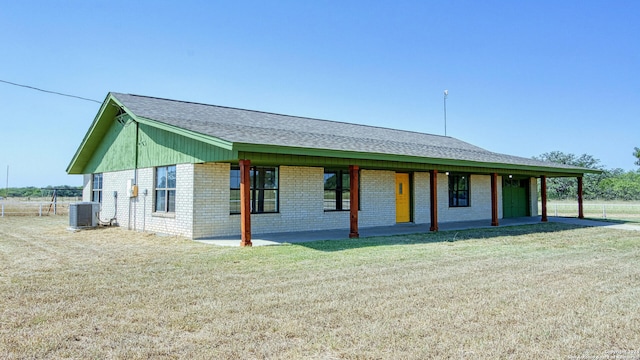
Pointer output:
399, 229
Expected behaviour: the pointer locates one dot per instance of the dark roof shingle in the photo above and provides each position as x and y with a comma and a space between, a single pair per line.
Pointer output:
262, 128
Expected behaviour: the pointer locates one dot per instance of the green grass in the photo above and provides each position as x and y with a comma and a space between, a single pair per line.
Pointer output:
540, 291
627, 211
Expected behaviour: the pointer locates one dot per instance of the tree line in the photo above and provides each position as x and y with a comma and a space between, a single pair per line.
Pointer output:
31, 191
611, 184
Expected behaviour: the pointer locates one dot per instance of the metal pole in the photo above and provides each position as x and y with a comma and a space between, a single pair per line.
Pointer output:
446, 93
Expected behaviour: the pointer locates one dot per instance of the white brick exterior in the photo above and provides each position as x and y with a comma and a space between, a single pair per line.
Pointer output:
533, 196
211, 201
377, 198
421, 198
137, 213
480, 200
202, 201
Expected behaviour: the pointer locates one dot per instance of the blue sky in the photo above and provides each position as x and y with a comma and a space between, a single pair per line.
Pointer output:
524, 77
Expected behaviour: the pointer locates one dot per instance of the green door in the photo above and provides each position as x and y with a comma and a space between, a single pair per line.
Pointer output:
515, 198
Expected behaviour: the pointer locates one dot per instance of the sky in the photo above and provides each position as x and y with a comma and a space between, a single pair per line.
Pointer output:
524, 77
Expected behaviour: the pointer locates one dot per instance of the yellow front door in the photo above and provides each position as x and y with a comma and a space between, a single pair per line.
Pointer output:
402, 198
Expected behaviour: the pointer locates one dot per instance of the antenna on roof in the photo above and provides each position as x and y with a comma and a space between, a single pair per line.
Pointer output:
446, 93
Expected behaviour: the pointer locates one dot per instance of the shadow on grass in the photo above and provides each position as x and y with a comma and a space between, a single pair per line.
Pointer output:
615, 221
436, 237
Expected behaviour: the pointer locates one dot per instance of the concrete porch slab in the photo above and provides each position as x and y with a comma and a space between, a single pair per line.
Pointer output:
398, 229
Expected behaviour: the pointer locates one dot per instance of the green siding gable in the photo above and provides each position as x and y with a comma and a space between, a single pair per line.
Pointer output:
159, 147
156, 147
118, 140
116, 150
93, 138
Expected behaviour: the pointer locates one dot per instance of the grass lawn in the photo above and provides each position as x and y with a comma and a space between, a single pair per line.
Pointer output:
627, 211
540, 291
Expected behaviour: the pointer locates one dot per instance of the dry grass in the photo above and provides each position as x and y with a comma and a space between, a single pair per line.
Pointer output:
542, 291
35, 206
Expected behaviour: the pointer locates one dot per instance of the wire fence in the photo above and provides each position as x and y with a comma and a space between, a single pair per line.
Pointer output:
48, 207
612, 211
36, 206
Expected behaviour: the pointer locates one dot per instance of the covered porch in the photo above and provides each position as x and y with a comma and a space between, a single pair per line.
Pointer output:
400, 229
493, 213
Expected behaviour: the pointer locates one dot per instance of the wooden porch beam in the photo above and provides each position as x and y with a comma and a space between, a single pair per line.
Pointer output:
543, 197
433, 182
245, 203
354, 201
494, 199
580, 205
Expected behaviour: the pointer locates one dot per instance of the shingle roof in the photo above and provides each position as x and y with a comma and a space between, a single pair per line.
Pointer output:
262, 128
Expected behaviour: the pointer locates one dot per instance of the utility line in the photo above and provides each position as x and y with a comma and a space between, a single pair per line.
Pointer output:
49, 91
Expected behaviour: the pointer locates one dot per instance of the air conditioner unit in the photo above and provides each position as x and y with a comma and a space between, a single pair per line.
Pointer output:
83, 215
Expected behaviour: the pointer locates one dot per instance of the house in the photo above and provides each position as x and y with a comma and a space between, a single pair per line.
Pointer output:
200, 171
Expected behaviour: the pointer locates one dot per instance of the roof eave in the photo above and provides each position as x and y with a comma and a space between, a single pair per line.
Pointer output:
74, 166
436, 162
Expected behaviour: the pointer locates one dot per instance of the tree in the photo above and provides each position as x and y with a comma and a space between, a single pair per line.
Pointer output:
625, 186
636, 153
567, 188
584, 160
32, 191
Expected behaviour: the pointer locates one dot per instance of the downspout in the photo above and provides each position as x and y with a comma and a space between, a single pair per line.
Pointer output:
135, 164
135, 179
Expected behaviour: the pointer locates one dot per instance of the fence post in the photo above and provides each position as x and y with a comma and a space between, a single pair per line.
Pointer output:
2, 210
604, 211
40, 210
556, 206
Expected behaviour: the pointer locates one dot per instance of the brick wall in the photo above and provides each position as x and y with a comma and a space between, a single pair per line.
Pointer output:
422, 198
115, 201
533, 196
138, 213
301, 193
86, 187
480, 200
202, 201
377, 198
211, 198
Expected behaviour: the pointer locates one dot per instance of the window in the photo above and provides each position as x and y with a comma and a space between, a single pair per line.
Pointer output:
459, 190
96, 188
263, 194
336, 190
165, 194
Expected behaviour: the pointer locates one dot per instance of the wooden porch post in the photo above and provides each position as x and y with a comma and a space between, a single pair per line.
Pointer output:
494, 199
433, 182
245, 202
543, 196
354, 201
580, 207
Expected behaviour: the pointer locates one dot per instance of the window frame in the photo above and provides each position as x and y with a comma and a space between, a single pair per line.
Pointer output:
168, 207
455, 192
340, 189
257, 176
97, 190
